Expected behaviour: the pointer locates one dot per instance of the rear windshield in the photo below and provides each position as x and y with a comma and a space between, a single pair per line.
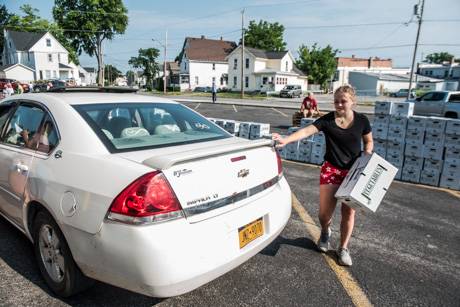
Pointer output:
137, 126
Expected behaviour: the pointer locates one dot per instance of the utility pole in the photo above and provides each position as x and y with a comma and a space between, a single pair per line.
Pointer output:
418, 12
242, 54
164, 60
164, 64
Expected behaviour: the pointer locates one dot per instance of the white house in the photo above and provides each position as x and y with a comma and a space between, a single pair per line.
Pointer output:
87, 75
265, 71
449, 72
17, 72
41, 52
203, 62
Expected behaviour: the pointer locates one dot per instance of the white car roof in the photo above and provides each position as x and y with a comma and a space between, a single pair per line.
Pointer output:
73, 98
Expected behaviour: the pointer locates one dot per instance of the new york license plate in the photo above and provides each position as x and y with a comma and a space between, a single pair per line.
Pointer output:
250, 232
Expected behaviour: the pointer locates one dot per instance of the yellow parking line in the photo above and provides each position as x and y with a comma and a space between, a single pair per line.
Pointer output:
197, 106
280, 112
234, 108
348, 282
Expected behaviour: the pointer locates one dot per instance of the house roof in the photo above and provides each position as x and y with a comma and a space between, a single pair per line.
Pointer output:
270, 55
89, 69
203, 49
9, 66
298, 71
23, 41
64, 66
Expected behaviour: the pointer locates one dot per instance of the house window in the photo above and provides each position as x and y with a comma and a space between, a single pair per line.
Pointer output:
54, 74
247, 63
48, 74
28, 56
235, 63
246, 81
50, 57
196, 80
41, 74
264, 80
213, 79
48, 42
287, 66
213, 66
235, 80
59, 57
185, 65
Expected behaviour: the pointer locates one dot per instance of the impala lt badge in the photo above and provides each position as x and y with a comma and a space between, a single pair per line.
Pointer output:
243, 173
182, 172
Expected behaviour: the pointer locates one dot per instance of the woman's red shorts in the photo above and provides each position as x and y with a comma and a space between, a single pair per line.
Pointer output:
331, 174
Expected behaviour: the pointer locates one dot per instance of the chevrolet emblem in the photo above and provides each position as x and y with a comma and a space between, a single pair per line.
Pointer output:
243, 173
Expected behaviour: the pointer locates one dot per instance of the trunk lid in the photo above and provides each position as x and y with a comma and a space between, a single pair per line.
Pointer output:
214, 178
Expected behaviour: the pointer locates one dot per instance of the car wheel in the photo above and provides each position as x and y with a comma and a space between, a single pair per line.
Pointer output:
55, 259
451, 115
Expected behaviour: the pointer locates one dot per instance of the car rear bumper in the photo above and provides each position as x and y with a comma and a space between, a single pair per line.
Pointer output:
176, 257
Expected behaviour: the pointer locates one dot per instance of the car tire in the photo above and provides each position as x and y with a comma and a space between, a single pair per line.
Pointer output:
54, 258
451, 115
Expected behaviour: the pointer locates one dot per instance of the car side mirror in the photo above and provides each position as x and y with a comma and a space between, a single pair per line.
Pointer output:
418, 99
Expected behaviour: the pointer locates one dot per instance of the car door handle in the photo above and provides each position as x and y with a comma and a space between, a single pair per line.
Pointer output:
21, 168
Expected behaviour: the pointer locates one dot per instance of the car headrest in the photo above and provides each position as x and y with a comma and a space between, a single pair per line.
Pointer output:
117, 124
133, 132
166, 129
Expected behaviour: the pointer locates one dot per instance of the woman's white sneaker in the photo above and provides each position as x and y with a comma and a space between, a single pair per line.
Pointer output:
344, 257
323, 242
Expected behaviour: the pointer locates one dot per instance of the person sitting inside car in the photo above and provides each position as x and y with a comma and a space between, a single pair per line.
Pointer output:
39, 140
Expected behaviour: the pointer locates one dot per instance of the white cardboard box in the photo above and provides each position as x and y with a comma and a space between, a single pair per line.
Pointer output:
367, 182
383, 107
405, 109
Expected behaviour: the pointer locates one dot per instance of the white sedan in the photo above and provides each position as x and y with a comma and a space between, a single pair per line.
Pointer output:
139, 192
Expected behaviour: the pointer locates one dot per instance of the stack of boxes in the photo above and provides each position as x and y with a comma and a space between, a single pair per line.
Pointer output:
425, 149
247, 130
450, 175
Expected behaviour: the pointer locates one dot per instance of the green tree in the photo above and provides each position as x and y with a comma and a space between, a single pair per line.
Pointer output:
265, 36
87, 23
147, 61
30, 21
111, 73
318, 63
439, 57
5, 17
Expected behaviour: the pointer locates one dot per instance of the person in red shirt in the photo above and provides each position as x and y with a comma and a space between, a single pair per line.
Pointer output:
309, 105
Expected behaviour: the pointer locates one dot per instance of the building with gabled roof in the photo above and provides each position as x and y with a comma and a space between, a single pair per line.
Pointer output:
41, 52
203, 61
264, 71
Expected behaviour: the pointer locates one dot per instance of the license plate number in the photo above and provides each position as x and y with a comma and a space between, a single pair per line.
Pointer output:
250, 232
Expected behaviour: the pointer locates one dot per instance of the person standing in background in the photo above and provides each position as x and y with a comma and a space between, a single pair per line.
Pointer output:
214, 92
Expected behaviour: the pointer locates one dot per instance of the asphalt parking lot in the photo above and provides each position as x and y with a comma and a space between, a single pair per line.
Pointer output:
407, 253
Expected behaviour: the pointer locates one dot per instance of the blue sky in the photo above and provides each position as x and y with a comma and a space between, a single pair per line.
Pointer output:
321, 21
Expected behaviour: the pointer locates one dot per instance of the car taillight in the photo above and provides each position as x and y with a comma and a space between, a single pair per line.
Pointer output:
149, 198
280, 164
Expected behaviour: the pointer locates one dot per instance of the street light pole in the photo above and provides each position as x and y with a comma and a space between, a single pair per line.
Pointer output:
164, 63
242, 54
419, 16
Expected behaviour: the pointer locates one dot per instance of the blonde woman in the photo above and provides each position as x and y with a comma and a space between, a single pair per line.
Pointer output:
344, 130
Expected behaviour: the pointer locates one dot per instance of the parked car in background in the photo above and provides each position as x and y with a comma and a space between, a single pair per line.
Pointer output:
403, 93
45, 85
203, 89
438, 103
13, 82
291, 91
136, 191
